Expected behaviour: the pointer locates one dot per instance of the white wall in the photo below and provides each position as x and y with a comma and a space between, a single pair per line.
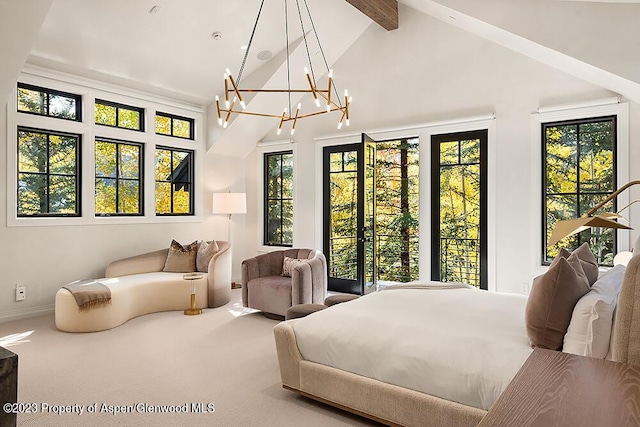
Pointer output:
428, 71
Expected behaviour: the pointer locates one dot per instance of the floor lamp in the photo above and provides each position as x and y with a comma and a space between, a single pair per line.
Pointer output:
229, 204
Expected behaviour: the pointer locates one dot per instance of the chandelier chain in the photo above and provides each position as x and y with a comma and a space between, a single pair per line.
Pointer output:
246, 52
306, 45
324, 58
286, 31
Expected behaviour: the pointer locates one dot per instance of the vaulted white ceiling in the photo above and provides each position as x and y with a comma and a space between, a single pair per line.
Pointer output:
170, 50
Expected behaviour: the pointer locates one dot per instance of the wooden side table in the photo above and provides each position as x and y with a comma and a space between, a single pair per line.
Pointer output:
559, 389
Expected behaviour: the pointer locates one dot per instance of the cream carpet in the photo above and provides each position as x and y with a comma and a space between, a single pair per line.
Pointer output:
225, 357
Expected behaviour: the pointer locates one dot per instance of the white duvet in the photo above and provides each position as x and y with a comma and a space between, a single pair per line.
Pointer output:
462, 345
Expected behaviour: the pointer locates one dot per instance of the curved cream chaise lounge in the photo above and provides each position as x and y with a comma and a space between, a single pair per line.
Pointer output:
139, 286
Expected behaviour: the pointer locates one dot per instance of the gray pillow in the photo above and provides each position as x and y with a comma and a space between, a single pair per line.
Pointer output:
206, 251
288, 264
551, 301
587, 260
181, 259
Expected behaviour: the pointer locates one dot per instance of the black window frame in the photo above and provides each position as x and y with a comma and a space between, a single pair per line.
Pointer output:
78, 173
118, 106
578, 193
49, 92
140, 179
191, 182
482, 135
266, 199
176, 117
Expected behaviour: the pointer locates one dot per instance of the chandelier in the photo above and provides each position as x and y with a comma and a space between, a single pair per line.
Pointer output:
326, 97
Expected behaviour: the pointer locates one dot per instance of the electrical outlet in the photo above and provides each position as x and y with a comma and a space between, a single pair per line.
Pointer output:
21, 292
525, 288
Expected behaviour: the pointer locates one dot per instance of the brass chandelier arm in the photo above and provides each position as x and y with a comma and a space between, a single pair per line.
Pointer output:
283, 117
276, 90
611, 197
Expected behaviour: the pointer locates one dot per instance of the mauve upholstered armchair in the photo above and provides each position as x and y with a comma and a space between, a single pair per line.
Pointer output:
265, 288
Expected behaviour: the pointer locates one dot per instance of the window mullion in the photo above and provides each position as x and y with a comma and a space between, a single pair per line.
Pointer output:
170, 183
117, 151
48, 174
281, 198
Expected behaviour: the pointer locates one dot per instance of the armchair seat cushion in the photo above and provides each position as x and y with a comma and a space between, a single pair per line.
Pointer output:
272, 293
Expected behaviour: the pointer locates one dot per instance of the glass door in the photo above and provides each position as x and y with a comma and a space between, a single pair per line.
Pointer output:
367, 216
459, 208
349, 216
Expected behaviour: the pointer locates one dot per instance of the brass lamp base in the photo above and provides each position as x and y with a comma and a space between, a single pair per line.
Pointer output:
193, 310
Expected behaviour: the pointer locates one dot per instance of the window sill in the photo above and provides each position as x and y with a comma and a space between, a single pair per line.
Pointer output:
104, 220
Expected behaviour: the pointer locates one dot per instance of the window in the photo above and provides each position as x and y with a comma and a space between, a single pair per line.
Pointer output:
119, 115
278, 199
174, 181
48, 102
170, 125
118, 178
579, 170
128, 161
48, 173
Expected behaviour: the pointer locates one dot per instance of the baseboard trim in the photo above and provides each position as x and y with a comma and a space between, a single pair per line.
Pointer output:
11, 315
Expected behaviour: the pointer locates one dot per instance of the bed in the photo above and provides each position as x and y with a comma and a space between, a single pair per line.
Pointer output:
383, 357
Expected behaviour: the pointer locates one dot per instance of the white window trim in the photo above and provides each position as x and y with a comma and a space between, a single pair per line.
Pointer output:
267, 148
90, 91
583, 110
424, 132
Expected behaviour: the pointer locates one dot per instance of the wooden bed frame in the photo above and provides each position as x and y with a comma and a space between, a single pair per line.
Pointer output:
394, 405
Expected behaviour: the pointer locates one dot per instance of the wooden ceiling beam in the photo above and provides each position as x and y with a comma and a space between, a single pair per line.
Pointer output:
384, 12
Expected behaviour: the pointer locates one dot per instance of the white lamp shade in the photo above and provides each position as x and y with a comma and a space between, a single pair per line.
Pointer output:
229, 203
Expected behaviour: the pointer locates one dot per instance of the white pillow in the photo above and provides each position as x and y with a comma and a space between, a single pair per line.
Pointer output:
589, 332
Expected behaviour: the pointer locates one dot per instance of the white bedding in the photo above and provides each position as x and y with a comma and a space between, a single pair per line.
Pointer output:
461, 345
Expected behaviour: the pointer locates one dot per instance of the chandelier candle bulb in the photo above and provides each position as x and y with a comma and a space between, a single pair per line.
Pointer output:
218, 109
226, 91
295, 119
329, 90
284, 116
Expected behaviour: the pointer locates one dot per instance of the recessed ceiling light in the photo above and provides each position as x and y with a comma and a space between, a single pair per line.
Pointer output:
154, 9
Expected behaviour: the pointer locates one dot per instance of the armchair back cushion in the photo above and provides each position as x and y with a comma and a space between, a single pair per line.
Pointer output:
264, 288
